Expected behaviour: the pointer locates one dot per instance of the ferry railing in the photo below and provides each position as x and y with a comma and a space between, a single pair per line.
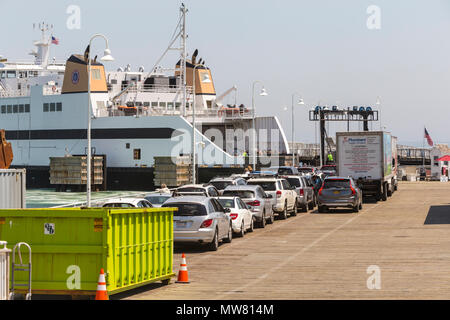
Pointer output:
155, 88
176, 111
14, 93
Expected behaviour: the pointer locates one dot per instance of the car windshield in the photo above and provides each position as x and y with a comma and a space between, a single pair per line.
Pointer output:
157, 199
227, 203
220, 185
118, 205
187, 209
336, 183
190, 189
281, 170
295, 182
243, 194
305, 169
266, 185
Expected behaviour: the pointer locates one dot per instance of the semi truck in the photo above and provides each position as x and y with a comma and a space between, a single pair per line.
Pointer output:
370, 158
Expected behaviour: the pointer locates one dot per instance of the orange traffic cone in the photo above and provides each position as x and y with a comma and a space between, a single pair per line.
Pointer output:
183, 273
102, 294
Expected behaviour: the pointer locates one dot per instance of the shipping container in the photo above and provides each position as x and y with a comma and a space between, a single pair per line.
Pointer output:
12, 188
369, 158
71, 245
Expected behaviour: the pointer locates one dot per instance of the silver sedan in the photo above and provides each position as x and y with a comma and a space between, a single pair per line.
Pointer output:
200, 220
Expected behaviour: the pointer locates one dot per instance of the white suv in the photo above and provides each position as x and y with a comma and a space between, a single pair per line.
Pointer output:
284, 196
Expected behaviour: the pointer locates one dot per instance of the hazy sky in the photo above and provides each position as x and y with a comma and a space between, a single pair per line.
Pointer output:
322, 49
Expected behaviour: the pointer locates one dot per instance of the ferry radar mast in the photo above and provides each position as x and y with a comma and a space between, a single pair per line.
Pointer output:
43, 45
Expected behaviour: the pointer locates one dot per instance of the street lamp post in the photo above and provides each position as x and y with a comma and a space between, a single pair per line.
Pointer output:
263, 93
300, 102
193, 122
106, 57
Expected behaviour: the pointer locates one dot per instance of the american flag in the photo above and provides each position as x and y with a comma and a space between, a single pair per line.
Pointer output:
429, 140
54, 40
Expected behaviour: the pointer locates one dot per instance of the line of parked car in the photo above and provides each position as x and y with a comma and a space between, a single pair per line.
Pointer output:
232, 206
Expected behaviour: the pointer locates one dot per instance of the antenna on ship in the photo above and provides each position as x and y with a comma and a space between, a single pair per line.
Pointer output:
43, 45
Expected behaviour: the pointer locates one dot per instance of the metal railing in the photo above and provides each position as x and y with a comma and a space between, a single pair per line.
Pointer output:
155, 88
8, 93
216, 114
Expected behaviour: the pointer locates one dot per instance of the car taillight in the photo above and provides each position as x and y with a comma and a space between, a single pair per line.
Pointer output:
353, 190
254, 203
206, 223
278, 193
302, 192
233, 216
320, 191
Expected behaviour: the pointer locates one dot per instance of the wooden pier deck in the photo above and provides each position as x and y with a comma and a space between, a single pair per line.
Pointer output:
326, 256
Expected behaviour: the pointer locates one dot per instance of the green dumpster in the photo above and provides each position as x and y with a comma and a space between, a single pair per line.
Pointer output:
71, 245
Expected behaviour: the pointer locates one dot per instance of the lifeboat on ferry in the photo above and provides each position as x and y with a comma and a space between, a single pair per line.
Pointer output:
128, 110
228, 110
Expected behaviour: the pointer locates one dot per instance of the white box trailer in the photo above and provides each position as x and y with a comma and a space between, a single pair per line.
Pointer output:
12, 188
370, 158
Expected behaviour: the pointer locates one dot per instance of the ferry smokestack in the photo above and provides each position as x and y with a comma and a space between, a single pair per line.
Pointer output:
194, 56
86, 54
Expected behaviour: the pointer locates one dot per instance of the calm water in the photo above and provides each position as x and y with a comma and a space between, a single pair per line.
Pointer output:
45, 198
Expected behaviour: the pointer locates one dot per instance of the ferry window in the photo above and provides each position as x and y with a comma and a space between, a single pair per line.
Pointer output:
45, 107
154, 104
170, 105
96, 74
146, 104
52, 107
21, 108
209, 104
59, 106
127, 146
10, 74
22, 74
137, 154
3, 109
2, 74
114, 81
9, 108
27, 108
162, 104
15, 108
177, 105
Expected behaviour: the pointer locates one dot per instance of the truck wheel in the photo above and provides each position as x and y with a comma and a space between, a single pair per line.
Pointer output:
283, 215
356, 208
390, 190
385, 193
294, 211
321, 209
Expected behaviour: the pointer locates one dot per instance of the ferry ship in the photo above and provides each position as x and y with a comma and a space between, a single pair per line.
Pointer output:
136, 115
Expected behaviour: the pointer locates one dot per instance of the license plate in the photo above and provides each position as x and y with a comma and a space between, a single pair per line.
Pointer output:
181, 224
336, 192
